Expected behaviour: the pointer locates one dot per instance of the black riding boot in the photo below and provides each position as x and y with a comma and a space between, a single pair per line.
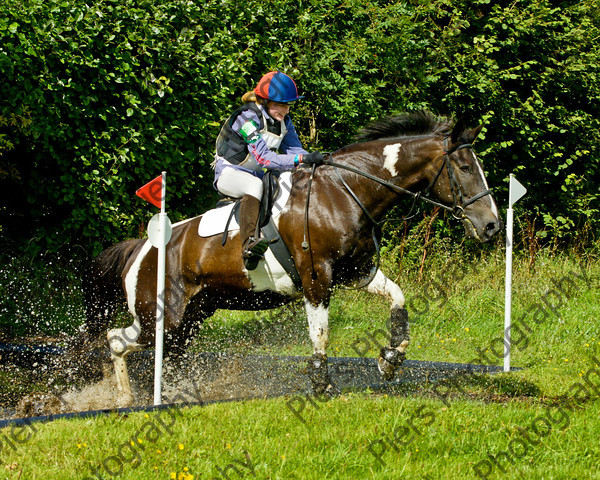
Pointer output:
253, 247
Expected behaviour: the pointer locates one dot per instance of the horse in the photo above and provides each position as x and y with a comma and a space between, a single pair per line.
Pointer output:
340, 204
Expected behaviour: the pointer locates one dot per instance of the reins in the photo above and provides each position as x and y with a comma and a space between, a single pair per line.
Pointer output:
306, 239
457, 209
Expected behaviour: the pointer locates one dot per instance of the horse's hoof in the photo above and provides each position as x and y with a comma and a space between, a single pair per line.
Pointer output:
332, 391
326, 391
390, 359
125, 400
318, 373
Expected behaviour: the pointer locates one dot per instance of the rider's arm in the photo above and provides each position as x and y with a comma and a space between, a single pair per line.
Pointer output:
259, 149
291, 143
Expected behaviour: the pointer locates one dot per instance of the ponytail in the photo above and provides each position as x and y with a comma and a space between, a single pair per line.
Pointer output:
249, 97
252, 97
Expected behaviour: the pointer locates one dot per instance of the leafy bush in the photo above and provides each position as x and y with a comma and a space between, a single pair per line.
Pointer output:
100, 97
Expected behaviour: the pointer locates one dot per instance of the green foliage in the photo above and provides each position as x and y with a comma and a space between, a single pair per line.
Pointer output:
99, 98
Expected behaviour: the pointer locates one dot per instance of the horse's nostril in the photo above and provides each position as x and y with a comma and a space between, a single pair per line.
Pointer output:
491, 227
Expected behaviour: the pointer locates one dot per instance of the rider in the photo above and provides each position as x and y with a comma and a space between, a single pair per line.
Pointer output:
248, 144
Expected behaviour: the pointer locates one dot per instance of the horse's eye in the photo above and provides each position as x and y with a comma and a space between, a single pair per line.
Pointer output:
465, 168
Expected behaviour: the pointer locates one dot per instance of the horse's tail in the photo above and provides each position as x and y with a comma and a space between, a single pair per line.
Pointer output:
103, 285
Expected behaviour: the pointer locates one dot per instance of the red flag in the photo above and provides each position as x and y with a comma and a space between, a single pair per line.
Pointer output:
152, 192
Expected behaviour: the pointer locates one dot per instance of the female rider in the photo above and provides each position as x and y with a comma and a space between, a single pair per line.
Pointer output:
248, 143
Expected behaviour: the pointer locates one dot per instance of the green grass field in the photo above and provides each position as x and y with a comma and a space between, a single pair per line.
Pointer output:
542, 422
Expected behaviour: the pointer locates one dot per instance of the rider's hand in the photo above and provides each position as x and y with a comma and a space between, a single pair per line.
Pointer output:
313, 158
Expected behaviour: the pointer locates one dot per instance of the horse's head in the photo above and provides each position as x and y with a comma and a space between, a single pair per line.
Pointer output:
460, 181
419, 152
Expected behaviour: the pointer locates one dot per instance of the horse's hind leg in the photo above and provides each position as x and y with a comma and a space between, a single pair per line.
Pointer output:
392, 355
122, 342
143, 307
85, 355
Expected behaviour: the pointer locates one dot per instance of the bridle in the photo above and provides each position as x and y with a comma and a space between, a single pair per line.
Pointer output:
458, 204
457, 209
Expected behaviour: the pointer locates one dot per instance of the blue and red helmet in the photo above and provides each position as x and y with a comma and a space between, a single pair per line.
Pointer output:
277, 87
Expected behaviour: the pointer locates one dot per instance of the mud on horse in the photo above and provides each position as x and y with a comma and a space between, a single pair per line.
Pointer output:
406, 155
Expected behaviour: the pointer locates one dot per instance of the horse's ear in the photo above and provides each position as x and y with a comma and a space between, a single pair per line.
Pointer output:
461, 134
459, 128
471, 135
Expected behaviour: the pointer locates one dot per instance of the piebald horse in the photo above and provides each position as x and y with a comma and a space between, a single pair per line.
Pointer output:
417, 155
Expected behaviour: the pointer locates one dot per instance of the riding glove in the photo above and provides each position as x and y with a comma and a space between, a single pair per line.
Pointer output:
315, 158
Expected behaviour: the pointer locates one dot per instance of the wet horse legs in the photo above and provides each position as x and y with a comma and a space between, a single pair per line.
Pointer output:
122, 342
318, 324
392, 355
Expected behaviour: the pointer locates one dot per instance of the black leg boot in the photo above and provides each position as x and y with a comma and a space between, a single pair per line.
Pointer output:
392, 356
253, 247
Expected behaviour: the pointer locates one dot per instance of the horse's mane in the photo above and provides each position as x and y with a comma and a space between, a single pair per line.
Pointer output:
421, 122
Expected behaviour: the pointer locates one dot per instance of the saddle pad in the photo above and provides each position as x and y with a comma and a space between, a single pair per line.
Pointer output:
213, 222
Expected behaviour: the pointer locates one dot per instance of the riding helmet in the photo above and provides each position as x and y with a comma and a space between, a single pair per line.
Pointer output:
277, 87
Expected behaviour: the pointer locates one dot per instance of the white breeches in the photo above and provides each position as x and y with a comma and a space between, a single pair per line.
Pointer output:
237, 183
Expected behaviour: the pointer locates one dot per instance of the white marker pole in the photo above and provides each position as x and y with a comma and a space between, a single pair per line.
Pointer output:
160, 294
515, 191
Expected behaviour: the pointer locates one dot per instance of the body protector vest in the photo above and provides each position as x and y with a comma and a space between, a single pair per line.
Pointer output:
233, 148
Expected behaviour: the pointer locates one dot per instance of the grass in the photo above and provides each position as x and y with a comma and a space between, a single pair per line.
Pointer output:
415, 435
352, 436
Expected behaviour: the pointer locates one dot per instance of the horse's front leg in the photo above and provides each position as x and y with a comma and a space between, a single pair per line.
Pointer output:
392, 355
318, 325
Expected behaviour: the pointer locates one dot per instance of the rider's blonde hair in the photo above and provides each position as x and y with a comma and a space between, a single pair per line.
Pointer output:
251, 97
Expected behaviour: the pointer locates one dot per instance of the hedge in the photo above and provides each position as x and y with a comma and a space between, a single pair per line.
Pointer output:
99, 97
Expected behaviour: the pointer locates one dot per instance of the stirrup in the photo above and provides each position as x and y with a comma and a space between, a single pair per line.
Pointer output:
254, 251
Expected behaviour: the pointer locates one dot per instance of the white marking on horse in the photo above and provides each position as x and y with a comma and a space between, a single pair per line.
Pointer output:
390, 152
493, 207
270, 275
131, 278
318, 326
124, 340
381, 285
